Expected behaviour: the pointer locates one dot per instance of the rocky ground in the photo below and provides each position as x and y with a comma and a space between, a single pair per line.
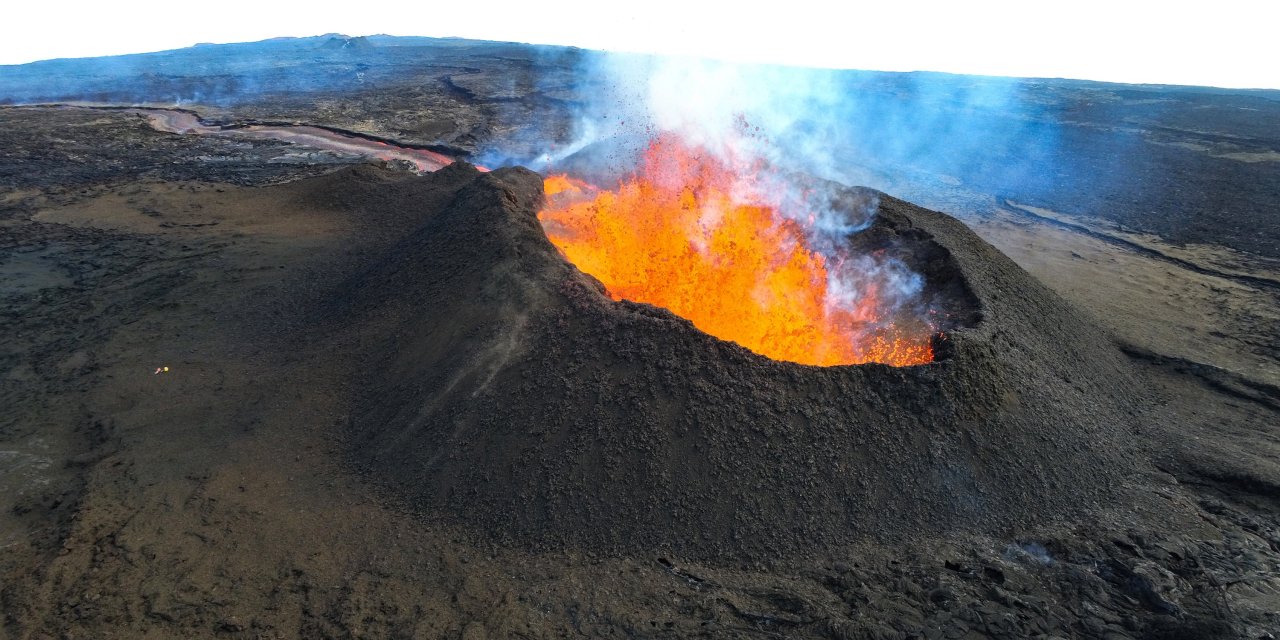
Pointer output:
216, 499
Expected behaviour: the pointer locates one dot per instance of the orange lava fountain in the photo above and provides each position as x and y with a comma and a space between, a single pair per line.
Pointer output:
700, 237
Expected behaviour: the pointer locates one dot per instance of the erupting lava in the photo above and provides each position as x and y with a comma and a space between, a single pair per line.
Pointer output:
699, 236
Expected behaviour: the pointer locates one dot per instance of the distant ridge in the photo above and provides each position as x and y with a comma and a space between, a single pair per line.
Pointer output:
347, 42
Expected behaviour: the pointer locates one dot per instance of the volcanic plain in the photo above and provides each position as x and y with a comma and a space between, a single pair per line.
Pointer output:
255, 388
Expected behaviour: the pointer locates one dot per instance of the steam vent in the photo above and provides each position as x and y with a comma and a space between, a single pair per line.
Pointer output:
508, 392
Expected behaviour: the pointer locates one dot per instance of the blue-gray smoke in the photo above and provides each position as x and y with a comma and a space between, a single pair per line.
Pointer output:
904, 133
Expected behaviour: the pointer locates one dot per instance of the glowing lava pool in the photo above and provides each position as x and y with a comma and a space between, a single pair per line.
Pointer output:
704, 238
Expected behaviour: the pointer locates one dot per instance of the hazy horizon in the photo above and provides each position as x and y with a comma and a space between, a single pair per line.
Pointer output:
1089, 40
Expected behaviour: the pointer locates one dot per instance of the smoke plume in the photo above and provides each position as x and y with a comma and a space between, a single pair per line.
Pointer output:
781, 126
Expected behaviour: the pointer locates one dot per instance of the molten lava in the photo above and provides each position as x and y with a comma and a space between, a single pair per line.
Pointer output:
700, 237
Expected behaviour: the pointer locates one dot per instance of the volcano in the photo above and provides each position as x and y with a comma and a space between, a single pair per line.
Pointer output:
509, 392
209, 327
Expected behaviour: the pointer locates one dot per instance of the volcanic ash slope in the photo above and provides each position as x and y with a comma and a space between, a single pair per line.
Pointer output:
507, 392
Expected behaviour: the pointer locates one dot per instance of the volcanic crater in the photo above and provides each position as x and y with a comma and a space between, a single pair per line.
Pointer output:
509, 392
752, 255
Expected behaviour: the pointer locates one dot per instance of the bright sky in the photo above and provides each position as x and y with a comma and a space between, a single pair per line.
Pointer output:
1225, 43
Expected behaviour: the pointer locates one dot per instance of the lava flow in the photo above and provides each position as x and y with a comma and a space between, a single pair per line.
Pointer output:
701, 238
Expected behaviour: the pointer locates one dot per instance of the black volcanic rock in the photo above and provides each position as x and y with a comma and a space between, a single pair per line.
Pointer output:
509, 393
